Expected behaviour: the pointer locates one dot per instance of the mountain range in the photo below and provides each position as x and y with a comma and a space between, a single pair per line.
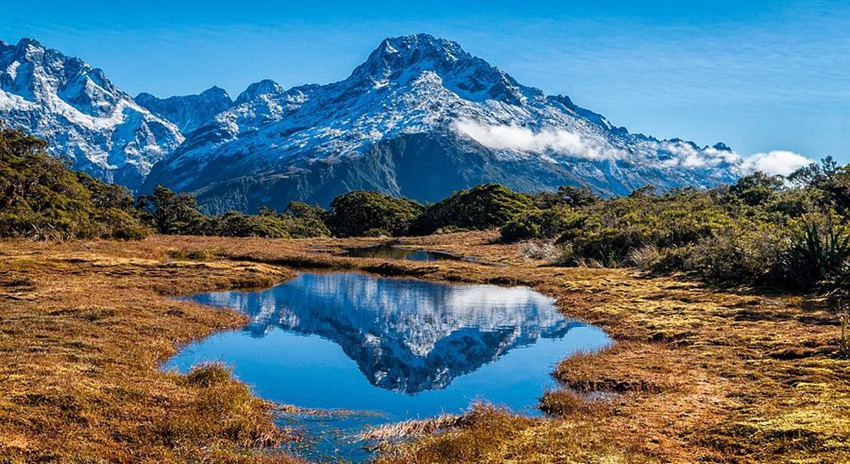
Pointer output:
85, 118
420, 118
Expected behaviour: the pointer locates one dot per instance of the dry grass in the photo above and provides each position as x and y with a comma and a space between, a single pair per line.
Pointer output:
81, 335
699, 375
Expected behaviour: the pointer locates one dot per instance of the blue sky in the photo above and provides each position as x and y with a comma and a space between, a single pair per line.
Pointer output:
757, 75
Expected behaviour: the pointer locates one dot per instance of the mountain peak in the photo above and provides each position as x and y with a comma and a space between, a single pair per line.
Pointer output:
215, 91
29, 49
263, 87
398, 53
405, 59
421, 46
720, 146
187, 112
27, 42
81, 113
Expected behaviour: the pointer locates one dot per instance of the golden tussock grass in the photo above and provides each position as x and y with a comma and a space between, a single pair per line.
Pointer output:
82, 334
696, 375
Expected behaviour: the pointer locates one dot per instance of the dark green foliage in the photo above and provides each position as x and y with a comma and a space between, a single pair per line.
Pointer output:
41, 198
235, 224
303, 210
612, 230
173, 213
817, 253
377, 233
756, 189
267, 224
566, 196
483, 207
519, 229
762, 231
354, 213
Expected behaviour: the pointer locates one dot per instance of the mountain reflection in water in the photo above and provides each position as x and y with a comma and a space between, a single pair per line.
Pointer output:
404, 348
404, 335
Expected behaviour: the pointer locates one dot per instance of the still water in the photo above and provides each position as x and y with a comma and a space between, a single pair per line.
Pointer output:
387, 251
401, 348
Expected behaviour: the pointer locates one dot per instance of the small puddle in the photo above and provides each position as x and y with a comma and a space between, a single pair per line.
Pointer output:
397, 348
386, 251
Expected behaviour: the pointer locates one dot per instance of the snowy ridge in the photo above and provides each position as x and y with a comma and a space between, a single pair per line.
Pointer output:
188, 112
83, 116
420, 118
419, 99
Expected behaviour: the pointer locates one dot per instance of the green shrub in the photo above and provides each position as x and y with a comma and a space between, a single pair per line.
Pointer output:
739, 256
301, 210
42, 198
818, 253
175, 213
267, 224
482, 207
756, 189
354, 213
608, 232
519, 229
575, 197
377, 233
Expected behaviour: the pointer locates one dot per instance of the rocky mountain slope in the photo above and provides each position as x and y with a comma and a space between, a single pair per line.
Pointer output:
188, 112
420, 118
84, 117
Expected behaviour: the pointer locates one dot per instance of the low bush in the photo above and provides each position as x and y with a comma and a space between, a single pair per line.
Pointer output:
483, 207
356, 213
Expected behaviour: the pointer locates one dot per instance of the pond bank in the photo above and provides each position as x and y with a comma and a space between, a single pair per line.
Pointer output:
403, 349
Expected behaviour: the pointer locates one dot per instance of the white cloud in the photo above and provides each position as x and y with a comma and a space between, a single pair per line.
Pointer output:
775, 162
682, 154
559, 141
687, 156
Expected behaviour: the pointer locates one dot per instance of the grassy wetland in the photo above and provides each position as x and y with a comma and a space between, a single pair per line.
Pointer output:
697, 374
727, 308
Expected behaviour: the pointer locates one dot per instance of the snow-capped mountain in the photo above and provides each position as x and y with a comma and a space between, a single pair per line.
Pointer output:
420, 118
83, 116
188, 112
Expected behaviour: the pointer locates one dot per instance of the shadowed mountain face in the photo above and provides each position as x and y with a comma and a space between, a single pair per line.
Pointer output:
420, 118
406, 336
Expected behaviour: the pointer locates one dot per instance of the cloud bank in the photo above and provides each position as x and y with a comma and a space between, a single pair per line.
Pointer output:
677, 153
775, 162
687, 155
510, 137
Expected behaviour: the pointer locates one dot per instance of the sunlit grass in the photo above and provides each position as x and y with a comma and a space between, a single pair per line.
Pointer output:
696, 374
